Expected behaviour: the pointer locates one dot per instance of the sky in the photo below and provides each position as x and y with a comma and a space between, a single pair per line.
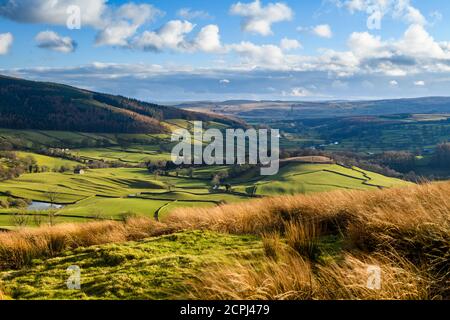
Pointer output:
178, 50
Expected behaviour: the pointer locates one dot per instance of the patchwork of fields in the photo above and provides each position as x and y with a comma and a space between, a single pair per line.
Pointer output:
129, 189
116, 193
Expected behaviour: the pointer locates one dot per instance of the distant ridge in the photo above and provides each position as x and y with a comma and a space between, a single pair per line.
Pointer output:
323, 109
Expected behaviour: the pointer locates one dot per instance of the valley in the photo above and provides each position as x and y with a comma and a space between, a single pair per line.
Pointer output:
348, 192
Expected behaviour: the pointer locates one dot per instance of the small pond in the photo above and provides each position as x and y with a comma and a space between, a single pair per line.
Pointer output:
38, 206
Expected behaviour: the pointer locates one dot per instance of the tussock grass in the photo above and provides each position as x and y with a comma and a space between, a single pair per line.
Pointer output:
19, 248
293, 277
405, 232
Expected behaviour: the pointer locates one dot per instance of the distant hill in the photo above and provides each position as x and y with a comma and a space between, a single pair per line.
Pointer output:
49, 106
322, 109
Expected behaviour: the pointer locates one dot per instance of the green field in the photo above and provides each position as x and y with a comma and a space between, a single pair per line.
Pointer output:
297, 178
133, 155
117, 192
50, 162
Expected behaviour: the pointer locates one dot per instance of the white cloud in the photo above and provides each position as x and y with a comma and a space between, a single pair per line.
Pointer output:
417, 42
290, 44
258, 18
6, 40
170, 36
52, 41
419, 83
173, 36
115, 24
393, 83
208, 39
123, 23
137, 13
189, 14
322, 30
415, 52
224, 81
298, 92
253, 55
363, 45
116, 34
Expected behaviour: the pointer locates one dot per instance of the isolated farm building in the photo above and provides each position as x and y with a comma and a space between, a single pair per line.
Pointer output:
78, 171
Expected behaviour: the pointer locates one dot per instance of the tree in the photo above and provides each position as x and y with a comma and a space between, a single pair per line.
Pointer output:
441, 156
215, 181
190, 172
52, 195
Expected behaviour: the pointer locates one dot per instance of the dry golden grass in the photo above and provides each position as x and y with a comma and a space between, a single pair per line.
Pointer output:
19, 248
406, 232
293, 277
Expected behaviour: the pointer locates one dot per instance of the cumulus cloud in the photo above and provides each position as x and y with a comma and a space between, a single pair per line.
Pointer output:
6, 40
417, 51
53, 41
290, 44
322, 30
173, 36
189, 14
115, 25
208, 39
269, 56
123, 23
170, 36
258, 18
364, 44
224, 81
116, 34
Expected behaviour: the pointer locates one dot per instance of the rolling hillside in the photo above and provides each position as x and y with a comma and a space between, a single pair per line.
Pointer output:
49, 106
113, 193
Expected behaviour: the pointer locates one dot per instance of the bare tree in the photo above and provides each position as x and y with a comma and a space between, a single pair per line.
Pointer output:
52, 195
19, 219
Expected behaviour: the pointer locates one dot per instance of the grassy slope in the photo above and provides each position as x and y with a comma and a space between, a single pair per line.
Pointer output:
297, 178
319, 248
50, 162
129, 156
151, 269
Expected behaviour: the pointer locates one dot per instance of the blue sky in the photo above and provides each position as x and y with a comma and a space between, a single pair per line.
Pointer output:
218, 50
